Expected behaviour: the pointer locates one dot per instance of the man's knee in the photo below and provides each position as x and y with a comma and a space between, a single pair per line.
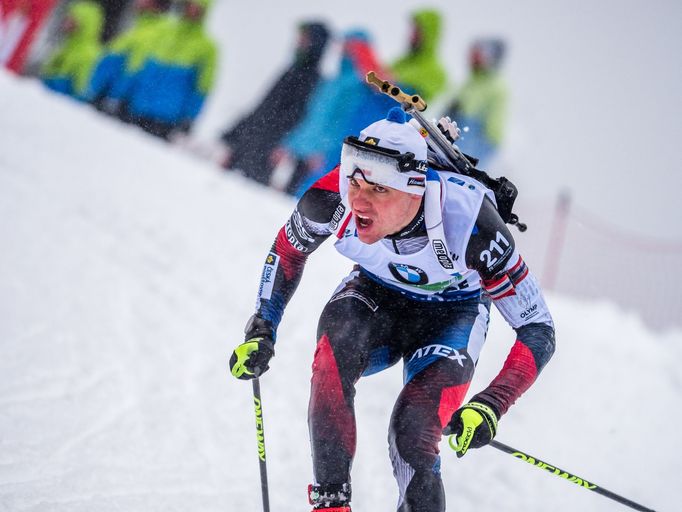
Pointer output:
419, 481
414, 445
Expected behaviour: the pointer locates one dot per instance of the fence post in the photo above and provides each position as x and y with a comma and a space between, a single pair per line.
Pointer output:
557, 237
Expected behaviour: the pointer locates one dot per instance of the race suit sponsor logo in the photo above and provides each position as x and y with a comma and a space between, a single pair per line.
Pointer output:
267, 278
526, 305
439, 351
530, 312
527, 299
442, 254
293, 238
457, 181
299, 228
408, 274
336, 218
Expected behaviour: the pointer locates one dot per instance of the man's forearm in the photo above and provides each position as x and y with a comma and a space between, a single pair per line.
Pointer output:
532, 350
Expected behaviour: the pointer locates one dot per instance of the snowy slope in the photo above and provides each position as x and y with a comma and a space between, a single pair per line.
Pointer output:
127, 271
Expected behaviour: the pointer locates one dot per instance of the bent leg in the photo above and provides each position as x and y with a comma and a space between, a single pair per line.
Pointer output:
349, 337
417, 421
439, 367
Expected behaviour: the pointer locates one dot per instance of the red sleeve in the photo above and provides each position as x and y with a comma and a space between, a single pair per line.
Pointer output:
303, 233
329, 182
532, 350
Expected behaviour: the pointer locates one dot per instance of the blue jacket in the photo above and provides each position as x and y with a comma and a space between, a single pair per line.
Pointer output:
341, 106
176, 78
118, 65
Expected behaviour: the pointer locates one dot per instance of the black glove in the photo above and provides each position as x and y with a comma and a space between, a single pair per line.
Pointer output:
471, 426
250, 359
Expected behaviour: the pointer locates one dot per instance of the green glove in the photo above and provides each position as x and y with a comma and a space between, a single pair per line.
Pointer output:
472, 426
250, 359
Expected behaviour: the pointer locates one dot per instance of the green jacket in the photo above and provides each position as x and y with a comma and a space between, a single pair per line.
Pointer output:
137, 43
176, 76
420, 70
189, 46
483, 97
69, 67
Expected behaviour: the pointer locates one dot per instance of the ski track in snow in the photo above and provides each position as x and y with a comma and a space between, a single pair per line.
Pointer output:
127, 273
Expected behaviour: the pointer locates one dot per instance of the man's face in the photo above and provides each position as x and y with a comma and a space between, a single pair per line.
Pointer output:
192, 11
304, 40
69, 25
145, 5
416, 38
477, 59
380, 211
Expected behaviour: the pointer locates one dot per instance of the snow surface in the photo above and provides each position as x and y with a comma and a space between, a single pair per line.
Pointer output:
127, 272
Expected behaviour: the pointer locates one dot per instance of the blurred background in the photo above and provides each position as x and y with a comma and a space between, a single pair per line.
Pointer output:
578, 103
149, 151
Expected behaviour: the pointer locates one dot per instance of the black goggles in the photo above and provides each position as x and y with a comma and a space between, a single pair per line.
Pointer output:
406, 162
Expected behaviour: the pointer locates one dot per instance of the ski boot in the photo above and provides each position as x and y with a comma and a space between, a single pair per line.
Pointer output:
330, 497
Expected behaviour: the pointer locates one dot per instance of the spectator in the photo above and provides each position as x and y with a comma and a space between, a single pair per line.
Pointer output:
480, 106
69, 68
252, 139
420, 70
170, 89
343, 104
113, 12
120, 62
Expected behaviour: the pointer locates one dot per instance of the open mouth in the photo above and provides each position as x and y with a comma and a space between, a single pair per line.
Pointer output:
363, 222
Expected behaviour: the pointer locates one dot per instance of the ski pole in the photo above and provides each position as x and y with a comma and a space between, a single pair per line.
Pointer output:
581, 482
260, 438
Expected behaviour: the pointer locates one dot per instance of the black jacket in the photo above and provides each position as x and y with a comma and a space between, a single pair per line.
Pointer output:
254, 137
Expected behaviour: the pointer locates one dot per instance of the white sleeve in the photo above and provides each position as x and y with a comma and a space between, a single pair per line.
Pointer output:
517, 295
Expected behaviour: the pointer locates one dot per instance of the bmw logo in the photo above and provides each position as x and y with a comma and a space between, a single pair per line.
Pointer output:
408, 274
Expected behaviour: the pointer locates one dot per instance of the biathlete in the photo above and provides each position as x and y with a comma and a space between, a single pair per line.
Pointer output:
431, 254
